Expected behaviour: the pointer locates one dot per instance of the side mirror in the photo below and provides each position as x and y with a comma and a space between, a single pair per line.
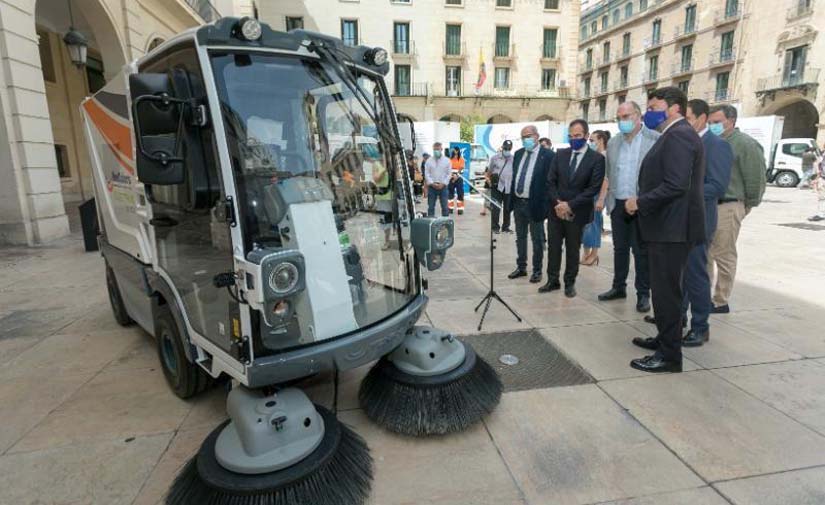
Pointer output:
406, 130
431, 237
157, 118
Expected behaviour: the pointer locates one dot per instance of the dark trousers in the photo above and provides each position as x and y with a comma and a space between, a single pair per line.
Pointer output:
504, 200
667, 268
696, 288
524, 223
568, 234
439, 195
456, 188
626, 237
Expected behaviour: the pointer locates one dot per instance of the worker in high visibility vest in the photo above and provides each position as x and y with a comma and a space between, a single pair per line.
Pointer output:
456, 182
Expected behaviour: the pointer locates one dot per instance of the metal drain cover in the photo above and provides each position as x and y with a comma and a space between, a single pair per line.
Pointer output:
538, 363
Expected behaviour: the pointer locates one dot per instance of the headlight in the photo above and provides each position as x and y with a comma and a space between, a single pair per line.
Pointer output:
377, 56
284, 278
442, 237
250, 28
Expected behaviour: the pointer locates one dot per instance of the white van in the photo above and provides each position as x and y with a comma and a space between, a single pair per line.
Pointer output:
478, 164
785, 168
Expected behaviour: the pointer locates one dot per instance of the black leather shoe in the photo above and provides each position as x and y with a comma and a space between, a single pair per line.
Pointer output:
693, 339
535, 278
722, 309
652, 320
517, 273
550, 286
570, 290
643, 303
612, 294
655, 364
649, 343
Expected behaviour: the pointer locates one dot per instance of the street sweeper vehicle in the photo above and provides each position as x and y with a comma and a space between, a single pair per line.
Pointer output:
257, 219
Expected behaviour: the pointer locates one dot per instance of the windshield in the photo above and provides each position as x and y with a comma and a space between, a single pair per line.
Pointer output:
292, 123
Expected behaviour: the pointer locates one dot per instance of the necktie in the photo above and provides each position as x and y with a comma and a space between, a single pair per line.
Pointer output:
573, 165
523, 174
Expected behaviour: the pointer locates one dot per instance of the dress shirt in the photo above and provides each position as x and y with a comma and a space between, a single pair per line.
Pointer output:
503, 167
579, 157
438, 170
703, 132
671, 124
628, 165
528, 175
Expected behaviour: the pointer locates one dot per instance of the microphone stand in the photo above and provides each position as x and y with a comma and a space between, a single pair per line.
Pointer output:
491, 294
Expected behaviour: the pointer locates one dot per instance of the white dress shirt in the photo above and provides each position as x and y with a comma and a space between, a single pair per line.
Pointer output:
437, 170
528, 177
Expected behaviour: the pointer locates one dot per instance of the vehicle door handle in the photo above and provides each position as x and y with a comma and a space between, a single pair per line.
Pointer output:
162, 221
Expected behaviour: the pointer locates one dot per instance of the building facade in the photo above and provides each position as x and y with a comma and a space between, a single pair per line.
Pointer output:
764, 57
437, 47
44, 165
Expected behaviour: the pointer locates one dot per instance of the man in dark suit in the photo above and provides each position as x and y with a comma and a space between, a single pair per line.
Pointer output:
529, 200
718, 163
671, 213
575, 177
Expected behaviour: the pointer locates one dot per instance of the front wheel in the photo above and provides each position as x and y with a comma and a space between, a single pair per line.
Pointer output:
786, 179
184, 377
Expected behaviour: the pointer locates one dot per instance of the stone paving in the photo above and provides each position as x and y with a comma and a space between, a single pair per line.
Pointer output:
86, 417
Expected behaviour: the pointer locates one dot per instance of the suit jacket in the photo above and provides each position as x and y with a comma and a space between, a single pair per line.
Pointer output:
718, 165
671, 193
614, 146
537, 203
579, 191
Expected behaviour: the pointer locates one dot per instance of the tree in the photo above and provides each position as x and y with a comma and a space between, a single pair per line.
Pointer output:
467, 127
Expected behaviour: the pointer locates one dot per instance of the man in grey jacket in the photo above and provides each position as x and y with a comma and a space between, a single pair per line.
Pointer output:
625, 153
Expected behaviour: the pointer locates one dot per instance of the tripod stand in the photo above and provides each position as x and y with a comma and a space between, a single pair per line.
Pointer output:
491, 294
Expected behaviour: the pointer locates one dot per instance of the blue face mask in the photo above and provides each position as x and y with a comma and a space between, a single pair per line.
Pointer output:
653, 118
437, 154
591, 145
716, 128
627, 126
577, 144
529, 143
371, 151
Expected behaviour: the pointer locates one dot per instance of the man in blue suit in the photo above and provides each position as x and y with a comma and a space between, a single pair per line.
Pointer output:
529, 201
718, 163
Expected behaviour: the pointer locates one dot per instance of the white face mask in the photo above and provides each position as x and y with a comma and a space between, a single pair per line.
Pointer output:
507, 154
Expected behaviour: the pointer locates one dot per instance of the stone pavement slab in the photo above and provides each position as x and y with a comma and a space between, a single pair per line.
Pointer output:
795, 388
800, 487
700, 496
716, 428
574, 445
457, 316
793, 329
548, 310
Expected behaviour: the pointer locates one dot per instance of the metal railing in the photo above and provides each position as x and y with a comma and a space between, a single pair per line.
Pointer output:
585, 93
682, 67
719, 95
623, 54
550, 51
605, 61
502, 50
729, 14
405, 47
454, 50
650, 77
686, 30
205, 10
653, 43
805, 77
801, 9
721, 57
621, 84
412, 89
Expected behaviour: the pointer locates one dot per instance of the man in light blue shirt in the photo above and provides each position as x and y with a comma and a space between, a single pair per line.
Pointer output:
625, 153
437, 171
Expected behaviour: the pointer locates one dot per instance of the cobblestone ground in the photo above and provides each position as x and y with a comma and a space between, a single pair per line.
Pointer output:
86, 418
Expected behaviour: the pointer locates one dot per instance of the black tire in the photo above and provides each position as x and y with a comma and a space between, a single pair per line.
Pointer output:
116, 301
786, 179
186, 379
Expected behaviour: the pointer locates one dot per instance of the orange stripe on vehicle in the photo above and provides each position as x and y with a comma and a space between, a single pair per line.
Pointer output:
116, 134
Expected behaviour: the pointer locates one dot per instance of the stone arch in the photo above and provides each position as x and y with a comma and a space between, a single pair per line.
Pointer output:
801, 117
453, 118
499, 118
545, 117
154, 41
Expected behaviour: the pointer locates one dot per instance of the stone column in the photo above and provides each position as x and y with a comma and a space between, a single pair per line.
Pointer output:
31, 204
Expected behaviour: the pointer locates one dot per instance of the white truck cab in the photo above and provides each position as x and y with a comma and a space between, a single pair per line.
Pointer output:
785, 168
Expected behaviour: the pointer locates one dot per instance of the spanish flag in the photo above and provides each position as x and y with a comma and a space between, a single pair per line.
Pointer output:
482, 71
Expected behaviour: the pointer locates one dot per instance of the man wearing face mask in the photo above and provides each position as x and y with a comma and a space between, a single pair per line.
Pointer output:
671, 220
437, 173
574, 180
625, 153
529, 197
499, 176
747, 185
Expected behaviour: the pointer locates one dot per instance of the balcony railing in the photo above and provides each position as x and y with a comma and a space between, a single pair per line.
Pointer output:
650, 77
586, 67
454, 50
205, 10
720, 95
722, 57
550, 51
504, 51
808, 76
653, 43
412, 89
800, 10
585, 93
605, 61
685, 31
729, 14
402, 47
621, 85
682, 67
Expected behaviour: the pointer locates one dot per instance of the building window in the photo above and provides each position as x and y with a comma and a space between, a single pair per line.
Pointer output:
586, 86
687, 58
453, 81
642, 5
453, 2
504, 3
349, 32
401, 40
584, 32
602, 109
548, 48
502, 41
453, 44
690, 18
594, 27
656, 36
731, 8
623, 72
62, 156
606, 52
95, 79
548, 79
684, 86
628, 10
653, 68
626, 44
46, 56
551, 5
621, 99
726, 48
502, 78
604, 22
617, 16
585, 111
603, 78
294, 23
793, 72
588, 59
722, 81
402, 80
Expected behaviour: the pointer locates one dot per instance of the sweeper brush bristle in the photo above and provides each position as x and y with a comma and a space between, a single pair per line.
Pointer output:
338, 472
436, 405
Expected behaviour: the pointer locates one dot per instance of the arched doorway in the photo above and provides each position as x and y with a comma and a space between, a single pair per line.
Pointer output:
453, 118
801, 118
498, 119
